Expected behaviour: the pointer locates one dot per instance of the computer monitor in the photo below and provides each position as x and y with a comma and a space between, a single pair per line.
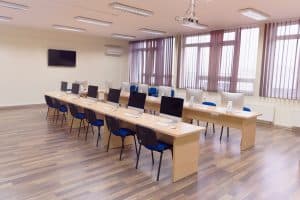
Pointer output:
64, 86
75, 88
137, 100
113, 95
171, 106
92, 91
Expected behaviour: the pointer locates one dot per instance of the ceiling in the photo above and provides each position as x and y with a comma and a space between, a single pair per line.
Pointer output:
215, 13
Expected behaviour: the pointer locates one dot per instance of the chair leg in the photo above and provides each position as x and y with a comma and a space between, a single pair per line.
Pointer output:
214, 130
221, 133
227, 133
152, 157
108, 141
87, 130
79, 127
172, 152
138, 156
206, 129
57, 117
71, 125
135, 144
122, 148
160, 159
99, 135
62, 120
93, 130
47, 113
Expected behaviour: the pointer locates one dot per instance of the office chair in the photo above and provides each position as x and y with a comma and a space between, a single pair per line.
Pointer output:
147, 138
113, 126
208, 103
153, 91
76, 115
134, 88
92, 120
246, 109
60, 108
50, 104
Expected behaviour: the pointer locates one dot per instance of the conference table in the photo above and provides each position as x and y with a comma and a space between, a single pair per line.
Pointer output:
239, 119
183, 136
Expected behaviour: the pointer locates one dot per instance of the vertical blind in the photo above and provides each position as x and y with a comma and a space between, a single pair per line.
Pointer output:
150, 61
280, 76
218, 60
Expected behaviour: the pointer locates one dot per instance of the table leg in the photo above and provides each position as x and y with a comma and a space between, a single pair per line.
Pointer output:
248, 134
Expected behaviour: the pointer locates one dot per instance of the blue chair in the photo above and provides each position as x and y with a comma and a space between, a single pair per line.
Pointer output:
208, 103
147, 138
153, 91
113, 126
134, 88
92, 120
76, 115
172, 93
246, 109
60, 108
50, 104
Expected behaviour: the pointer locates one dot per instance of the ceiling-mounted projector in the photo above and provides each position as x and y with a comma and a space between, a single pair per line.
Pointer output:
190, 20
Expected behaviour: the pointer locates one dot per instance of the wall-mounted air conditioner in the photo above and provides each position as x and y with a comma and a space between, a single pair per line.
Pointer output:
113, 50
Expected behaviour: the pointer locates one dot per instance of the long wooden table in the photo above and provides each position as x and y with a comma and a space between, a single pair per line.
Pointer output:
183, 136
242, 120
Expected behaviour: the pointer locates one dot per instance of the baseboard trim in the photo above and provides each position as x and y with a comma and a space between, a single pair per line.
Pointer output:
2, 108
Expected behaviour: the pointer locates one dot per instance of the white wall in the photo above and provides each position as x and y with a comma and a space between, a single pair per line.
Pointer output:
24, 71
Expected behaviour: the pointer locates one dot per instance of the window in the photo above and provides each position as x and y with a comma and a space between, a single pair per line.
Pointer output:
151, 61
221, 60
281, 63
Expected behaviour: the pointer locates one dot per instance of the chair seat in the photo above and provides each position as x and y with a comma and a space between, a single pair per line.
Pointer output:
80, 115
98, 122
123, 132
161, 146
63, 108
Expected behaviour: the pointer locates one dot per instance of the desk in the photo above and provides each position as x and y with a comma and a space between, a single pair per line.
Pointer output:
183, 136
242, 120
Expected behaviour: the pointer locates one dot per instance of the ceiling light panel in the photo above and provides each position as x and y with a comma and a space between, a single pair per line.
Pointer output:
5, 19
121, 36
68, 28
254, 14
131, 9
92, 21
152, 31
12, 5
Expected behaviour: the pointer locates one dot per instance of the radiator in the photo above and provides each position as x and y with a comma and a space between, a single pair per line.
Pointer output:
267, 111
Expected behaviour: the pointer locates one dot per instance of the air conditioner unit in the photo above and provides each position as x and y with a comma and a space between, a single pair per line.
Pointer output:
113, 50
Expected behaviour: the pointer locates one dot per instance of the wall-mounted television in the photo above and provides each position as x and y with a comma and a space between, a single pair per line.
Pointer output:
61, 58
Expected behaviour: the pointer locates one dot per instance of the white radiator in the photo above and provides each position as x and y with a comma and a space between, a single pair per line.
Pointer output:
267, 111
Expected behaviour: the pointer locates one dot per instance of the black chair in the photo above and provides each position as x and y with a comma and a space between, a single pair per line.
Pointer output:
148, 139
113, 126
76, 115
92, 120
60, 108
50, 104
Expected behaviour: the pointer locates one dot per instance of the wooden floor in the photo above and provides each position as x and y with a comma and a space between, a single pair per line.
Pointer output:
39, 160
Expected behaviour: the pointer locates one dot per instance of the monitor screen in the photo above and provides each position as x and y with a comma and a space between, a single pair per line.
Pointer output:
171, 106
92, 91
137, 100
64, 86
113, 95
61, 58
75, 88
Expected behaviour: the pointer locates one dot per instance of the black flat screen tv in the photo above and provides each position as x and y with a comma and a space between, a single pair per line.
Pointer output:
61, 58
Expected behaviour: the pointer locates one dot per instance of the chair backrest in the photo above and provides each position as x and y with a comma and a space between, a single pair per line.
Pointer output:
152, 91
146, 136
236, 98
90, 115
134, 88
209, 103
164, 91
49, 101
112, 123
56, 103
73, 109
197, 94
143, 88
125, 86
246, 109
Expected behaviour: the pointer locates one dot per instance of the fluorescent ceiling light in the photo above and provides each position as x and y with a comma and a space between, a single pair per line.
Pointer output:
254, 14
5, 19
121, 36
93, 21
151, 31
131, 9
68, 28
13, 5
194, 25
